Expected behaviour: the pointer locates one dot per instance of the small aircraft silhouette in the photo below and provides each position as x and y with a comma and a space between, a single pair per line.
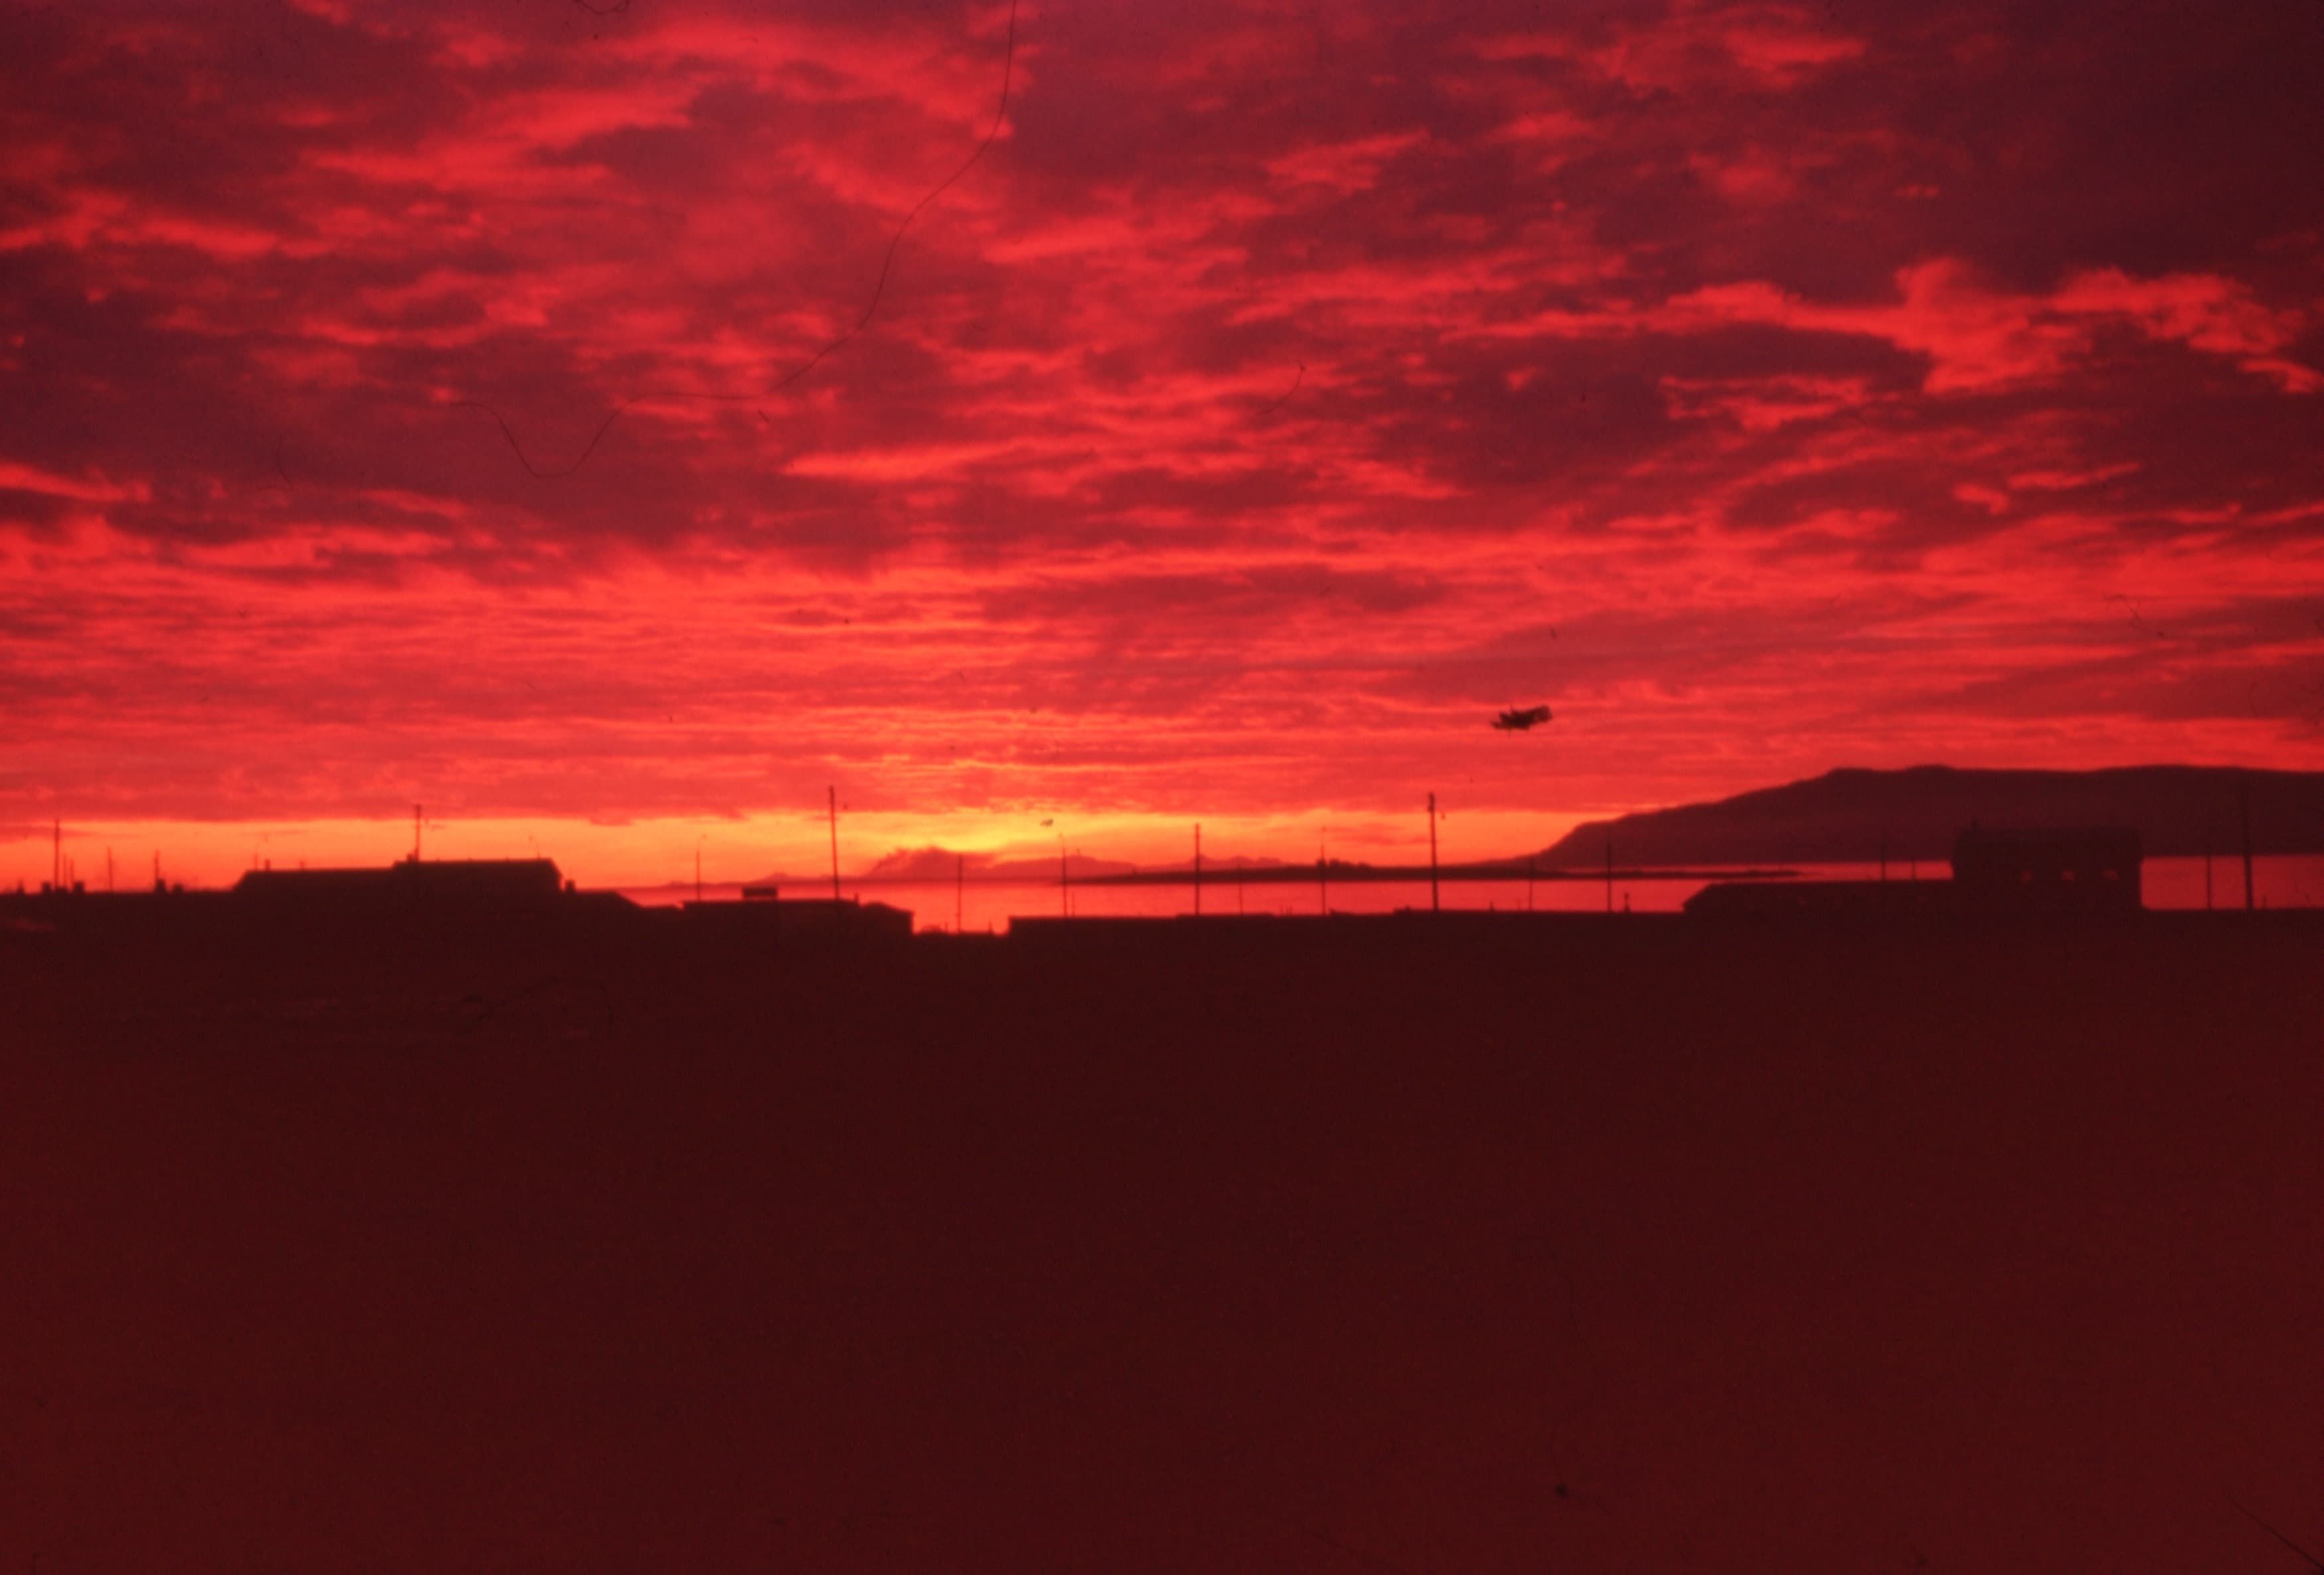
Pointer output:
1519, 721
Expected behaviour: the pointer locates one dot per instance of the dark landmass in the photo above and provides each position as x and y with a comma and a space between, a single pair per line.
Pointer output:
1272, 874
1495, 1243
776, 881
1219, 867
924, 866
1846, 816
927, 866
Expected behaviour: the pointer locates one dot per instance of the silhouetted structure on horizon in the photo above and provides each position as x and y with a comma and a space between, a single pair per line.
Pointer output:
1871, 899
2078, 869
2074, 870
763, 913
457, 898
464, 884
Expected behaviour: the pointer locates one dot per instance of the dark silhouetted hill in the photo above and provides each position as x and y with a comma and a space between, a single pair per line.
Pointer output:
1845, 815
933, 863
1221, 865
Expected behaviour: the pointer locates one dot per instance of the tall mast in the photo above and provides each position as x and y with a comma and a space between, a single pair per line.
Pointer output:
2242, 798
1432, 853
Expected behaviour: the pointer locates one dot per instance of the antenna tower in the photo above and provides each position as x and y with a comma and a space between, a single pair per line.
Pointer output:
1432, 853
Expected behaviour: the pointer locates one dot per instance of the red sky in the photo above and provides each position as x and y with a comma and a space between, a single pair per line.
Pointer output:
1284, 391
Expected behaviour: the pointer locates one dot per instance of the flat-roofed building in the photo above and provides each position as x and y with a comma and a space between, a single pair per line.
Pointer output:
1873, 899
2062, 869
2037, 870
468, 885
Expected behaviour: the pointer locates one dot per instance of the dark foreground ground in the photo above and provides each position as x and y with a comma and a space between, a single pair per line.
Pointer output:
1578, 1245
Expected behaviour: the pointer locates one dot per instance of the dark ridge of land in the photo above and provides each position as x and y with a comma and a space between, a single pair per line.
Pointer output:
1850, 815
1573, 1242
1307, 875
927, 866
935, 867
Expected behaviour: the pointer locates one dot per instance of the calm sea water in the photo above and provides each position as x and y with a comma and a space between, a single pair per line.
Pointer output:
2283, 881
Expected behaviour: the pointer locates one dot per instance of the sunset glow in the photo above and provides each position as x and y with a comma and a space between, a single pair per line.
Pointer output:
1283, 393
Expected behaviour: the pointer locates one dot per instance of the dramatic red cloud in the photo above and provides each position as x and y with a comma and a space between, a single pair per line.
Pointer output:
1283, 392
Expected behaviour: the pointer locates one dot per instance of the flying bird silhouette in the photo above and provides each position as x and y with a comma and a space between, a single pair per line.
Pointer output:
1521, 720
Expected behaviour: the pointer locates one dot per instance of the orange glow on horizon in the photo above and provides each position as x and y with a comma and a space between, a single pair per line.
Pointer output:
793, 848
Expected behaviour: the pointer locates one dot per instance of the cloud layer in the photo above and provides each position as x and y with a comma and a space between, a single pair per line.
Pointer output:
408, 401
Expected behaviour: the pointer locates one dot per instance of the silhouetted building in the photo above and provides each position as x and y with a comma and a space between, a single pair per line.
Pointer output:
843, 918
1855, 899
2078, 869
467, 886
2068, 870
760, 914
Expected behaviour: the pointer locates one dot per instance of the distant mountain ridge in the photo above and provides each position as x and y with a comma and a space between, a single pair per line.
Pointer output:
1848, 816
930, 864
927, 865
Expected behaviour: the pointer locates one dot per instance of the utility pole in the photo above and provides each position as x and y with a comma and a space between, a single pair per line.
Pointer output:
1198, 869
2242, 798
415, 833
1432, 853
831, 800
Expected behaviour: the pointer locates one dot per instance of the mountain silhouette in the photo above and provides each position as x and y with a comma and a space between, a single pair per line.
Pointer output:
1848, 815
1221, 864
934, 864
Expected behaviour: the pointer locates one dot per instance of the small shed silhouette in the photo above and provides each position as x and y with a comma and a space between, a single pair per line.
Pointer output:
2065, 869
